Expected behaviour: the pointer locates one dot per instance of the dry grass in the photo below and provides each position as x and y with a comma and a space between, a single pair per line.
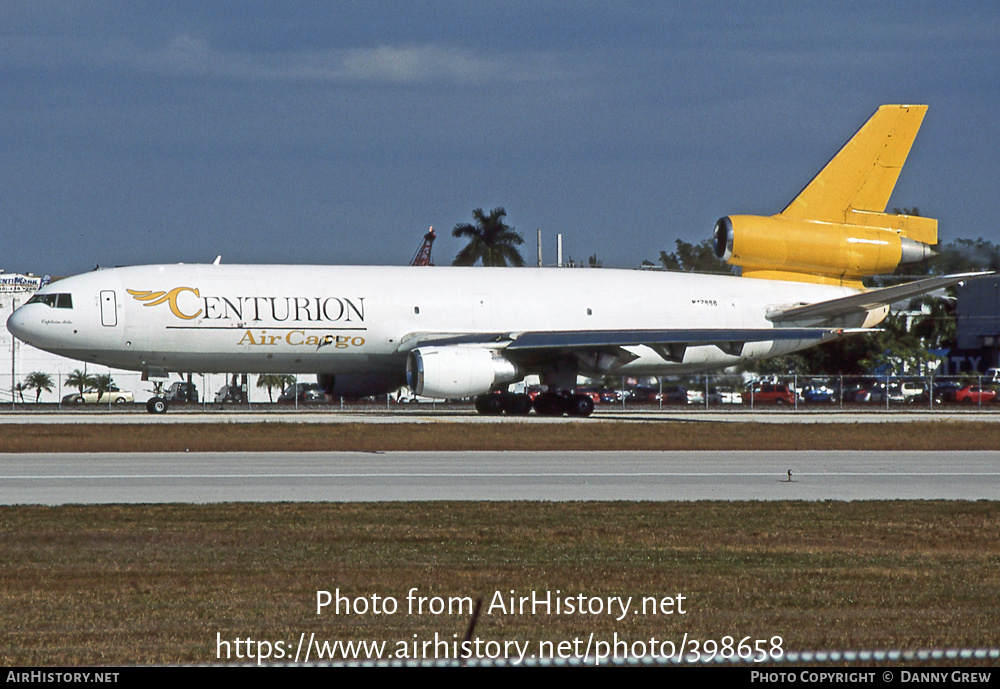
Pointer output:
672, 435
154, 584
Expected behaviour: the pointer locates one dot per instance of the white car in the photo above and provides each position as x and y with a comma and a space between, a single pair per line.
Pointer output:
92, 396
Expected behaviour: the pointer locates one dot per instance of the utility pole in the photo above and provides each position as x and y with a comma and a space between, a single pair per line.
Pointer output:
13, 346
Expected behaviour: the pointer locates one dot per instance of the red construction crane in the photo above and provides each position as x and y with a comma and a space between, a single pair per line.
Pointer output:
423, 255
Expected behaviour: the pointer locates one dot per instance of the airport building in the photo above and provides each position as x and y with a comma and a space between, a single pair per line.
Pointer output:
19, 360
978, 322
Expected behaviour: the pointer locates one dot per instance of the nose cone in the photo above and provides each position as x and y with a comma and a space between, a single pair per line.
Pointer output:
18, 326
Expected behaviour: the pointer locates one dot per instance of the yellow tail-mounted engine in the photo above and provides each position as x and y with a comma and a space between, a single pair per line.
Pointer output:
836, 230
782, 248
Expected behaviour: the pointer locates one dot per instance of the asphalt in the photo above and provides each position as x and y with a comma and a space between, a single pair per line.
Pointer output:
54, 479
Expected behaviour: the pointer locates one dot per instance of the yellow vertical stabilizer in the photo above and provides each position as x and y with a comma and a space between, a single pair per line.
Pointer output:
862, 175
836, 230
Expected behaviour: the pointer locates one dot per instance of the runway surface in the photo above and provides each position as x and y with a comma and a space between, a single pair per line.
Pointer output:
54, 479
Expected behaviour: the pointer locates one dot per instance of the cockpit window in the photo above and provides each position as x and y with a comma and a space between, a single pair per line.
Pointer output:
56, 301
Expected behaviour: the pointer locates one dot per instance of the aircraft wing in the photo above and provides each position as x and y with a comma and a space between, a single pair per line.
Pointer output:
608, 345
866, 301
576, 339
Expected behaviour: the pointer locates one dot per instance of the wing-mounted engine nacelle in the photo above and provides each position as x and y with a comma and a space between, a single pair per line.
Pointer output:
777, 244
359, 384
457, 371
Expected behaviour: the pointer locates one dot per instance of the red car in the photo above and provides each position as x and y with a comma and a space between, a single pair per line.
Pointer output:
771, 393
589, 392
975, 394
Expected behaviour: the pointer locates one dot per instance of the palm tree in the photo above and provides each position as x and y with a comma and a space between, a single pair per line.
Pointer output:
40, 382
20, 388
274, 380
103, 383
490, 241
79, 379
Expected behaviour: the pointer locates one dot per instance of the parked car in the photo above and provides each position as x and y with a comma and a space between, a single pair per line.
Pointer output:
696, 396
231, 394
893, 391
724, 396
818, 394
856, 393
534, 391
599, 395
307, 393
644, 394
407, 398
93, 396
945, 392
772, 393
913, 391
592, 393
680, 394
181, 391
975, 394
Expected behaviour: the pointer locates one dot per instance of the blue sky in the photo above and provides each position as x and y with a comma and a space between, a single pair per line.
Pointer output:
337, 132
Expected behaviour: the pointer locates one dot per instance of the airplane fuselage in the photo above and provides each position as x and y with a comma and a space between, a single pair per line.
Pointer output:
345, 319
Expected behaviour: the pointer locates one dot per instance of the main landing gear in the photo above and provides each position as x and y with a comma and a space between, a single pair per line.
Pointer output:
544, 404
496, 403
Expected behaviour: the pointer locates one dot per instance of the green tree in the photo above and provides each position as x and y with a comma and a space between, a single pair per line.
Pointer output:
79, 379
966, 255
40, 382
491, 241
696, 258
938, 328
893, 351
274, 380
19, 388
897, 351
103, 383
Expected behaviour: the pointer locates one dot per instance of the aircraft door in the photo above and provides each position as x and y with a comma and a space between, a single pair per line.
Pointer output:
109, 308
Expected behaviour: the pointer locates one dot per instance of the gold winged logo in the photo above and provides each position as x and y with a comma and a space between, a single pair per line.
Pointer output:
150, 298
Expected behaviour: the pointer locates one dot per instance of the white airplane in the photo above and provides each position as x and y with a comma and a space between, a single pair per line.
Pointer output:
460, 332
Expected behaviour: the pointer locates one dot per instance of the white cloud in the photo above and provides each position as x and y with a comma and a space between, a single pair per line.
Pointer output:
401, 64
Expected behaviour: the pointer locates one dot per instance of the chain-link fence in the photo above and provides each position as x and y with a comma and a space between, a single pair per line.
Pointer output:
98, 388
814, 393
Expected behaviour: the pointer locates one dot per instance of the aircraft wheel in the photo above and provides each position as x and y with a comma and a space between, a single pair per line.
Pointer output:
548, 404
517, 405
579, 405
156, 405
489, 404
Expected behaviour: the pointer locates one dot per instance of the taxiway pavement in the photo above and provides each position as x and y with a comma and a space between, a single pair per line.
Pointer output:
54, 479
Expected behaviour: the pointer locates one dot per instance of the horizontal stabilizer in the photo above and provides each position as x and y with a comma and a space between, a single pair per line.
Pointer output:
874, 299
